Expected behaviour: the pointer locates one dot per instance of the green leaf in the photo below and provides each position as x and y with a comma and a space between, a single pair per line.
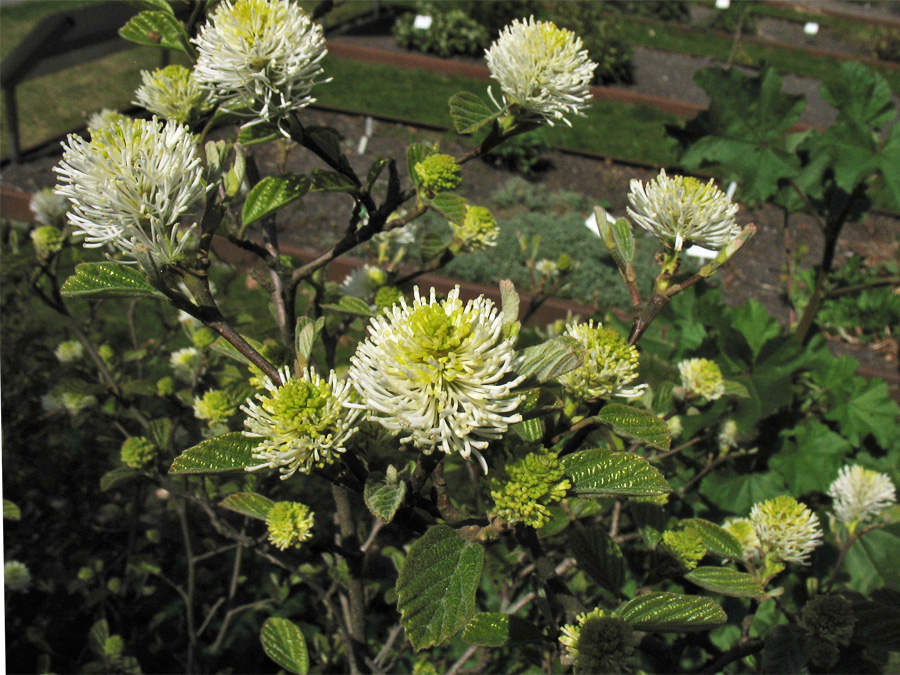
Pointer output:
229, 452
284, 643
548, 360
11, 511
603, 473
160, 432
509, 302
726, 581
376, 170
861, 95
332, 181
716, 539
437, 584
451, 206
117, 476
877, 623
737, 389
306, 334
599, 556
496, 629
872, 561
671, 613
753, 321
156, 29
327, 141
257, 134
530, 430
469, 112
271, 194
810, 457
350, 305
867, 409
383, 498
737, 493
248, 504
98, 635
636, 424
624, 238
415, 153
102, 280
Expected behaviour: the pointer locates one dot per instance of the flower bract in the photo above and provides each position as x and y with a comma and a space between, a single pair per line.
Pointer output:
439, 372
542, 69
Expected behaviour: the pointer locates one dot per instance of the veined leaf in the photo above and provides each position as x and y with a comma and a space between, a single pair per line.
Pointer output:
160, 432
437, 584
332, 181
786, 650
381, 497
550, 359
284, 643
101, 280
726, 581
717, 540
636, 424
248, 504
469, 112
598, 555
451, 206
117, 476
415, 153
306, 333
350, 305
496, 629
11, 511
530, 430
271, 194
256, 134
672, 613
156, 29
603, 473
229, 452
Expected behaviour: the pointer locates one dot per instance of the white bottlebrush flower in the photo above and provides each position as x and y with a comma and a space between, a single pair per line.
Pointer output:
172, 93
69, 351
860, 494
302, 424
48, 207
185, 362
610, 364
703, 378
439, 372
683, 210
728, 435
542, 69
260, 58
102, 119
16, 576
786, 529
742, 530
364, 282
131, 184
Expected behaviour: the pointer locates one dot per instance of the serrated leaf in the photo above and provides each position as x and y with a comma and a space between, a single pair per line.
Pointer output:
415, 153
509, 303
548, 360
271, 194
382, 498
248, 504
496, 629
659, 612
224, 347
451, 206
599, 556
624, 238
256, 134
326, 140
432, 245
11, 511
229, 452
726, 581
160, 432
872, 561
306, 333
103, 280
877, 624
331, 181
636, 424
156, 29
117, 476
437, 584
98, 635
283, 642
350, 305
737, 389
861, 95
603, 473
717, 540
469, 112
530, 430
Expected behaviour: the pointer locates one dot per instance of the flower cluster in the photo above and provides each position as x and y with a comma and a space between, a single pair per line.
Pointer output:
597, 643
786, 529
364, 282
47, 240
828, 620
727, 436
301, 424
439, 372
138, 452
16, 576
702, 378
289, 523
541, 69
102, 119
610, 364
683, 210
478, 230
860, 494
215, 406
742, 530
439, 173
531, 484
131, 184
172, 93
260, 58
185, 362
69, 351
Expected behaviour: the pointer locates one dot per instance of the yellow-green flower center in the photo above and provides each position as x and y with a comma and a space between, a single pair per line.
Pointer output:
296, 407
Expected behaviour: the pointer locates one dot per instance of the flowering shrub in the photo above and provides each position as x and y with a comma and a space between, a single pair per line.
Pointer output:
373, 476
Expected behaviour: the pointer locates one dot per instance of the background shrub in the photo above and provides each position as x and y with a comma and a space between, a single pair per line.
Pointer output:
521, 154
452, 32
885, 43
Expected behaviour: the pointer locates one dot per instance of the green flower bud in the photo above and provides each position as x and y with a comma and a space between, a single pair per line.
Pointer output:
47, 240
439, 173
138, 452
106, 353
69, 351
686, 546
479, 230
16, 576
597, 643
290, 524
829, 618
215, 406
204, 337
165, 386
702, 378
532, 483
113, 646
387, 297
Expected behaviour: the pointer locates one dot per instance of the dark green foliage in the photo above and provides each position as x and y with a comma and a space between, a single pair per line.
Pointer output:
739, 15
676, 11
452, 32
601, 33
885, 42
521, 154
